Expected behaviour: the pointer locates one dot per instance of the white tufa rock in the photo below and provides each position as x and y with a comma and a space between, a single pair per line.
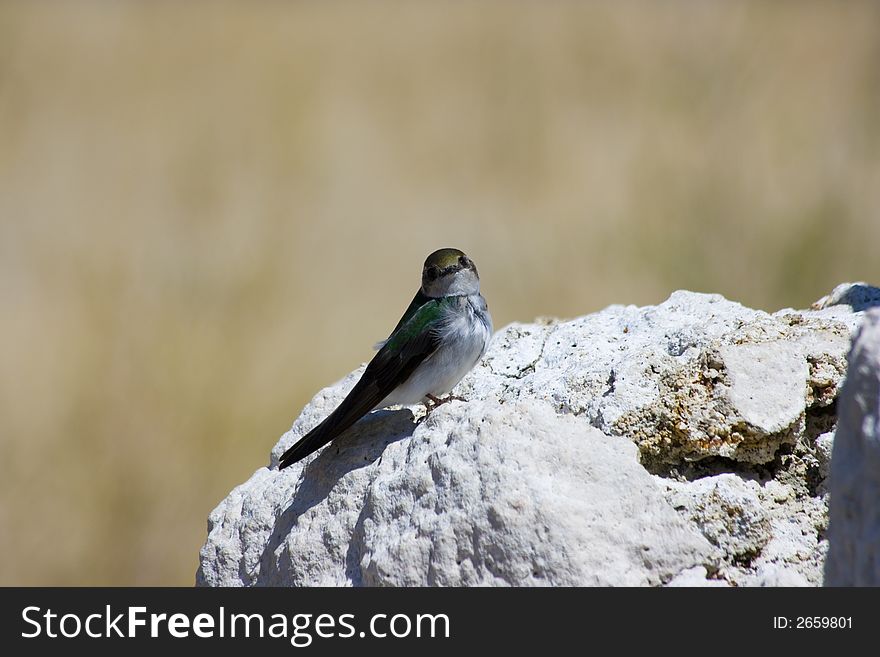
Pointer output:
727, 510
496, 497
540, 479
854, 531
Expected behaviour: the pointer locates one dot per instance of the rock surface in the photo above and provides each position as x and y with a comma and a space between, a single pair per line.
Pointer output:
854, 531
684, 444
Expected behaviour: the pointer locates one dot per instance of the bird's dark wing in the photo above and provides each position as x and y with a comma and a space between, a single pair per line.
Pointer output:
408, 346
418, 301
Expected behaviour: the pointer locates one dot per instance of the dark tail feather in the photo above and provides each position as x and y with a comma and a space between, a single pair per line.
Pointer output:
312, 441
359, 402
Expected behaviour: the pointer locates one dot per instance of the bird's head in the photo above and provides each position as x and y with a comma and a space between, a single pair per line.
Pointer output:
449, 272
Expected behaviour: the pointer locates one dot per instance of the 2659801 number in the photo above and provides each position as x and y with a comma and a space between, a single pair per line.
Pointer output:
823, 622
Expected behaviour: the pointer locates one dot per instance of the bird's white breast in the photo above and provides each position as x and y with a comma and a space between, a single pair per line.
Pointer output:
464, 336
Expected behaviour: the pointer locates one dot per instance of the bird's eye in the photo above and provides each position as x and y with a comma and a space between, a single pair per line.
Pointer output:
433, 272
464, 262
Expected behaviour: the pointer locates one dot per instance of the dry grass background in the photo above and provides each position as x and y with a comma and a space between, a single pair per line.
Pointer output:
208, 212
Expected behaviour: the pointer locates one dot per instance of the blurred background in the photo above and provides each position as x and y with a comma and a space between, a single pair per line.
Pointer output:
210, 212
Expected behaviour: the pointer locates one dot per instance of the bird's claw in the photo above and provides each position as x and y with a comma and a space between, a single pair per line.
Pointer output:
437, 401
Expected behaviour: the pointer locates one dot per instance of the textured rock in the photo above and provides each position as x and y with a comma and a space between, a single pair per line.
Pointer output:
728, 512
858, 296
543, 476
854, 531
514, 495
696, 576
695, 377
772, 574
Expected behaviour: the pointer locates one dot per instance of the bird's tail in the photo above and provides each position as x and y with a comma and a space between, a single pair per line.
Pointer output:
311, 442
360, 401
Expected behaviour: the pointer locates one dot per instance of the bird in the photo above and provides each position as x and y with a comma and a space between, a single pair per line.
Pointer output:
441, 336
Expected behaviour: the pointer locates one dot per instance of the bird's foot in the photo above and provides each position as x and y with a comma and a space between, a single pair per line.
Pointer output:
433, 402
437, 401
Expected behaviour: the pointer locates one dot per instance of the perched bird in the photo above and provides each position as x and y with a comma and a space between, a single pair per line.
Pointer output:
439, 339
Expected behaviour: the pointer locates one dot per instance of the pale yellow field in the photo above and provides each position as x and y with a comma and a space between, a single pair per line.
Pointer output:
209, 212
